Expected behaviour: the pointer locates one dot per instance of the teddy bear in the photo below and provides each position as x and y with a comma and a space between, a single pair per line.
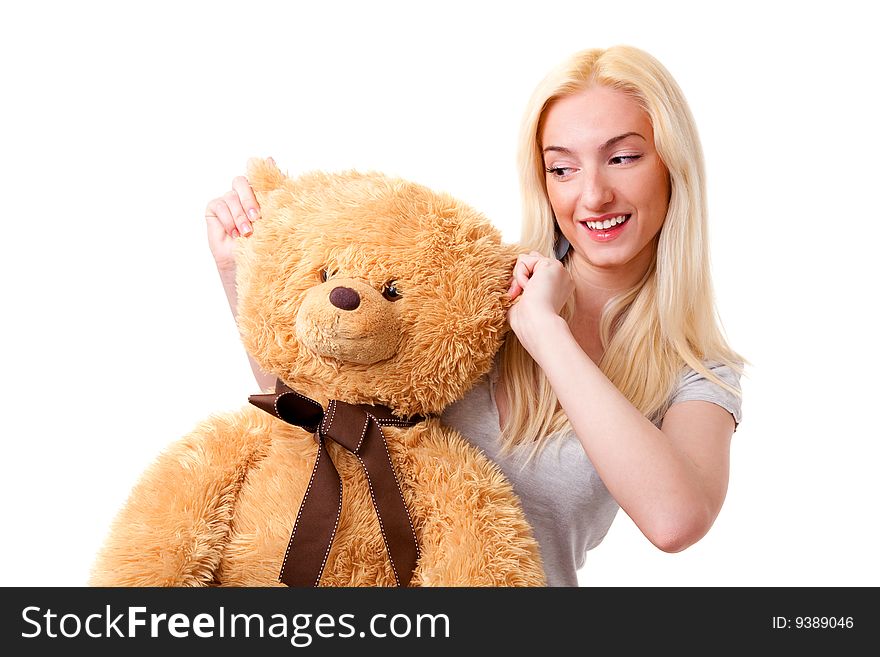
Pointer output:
376, 302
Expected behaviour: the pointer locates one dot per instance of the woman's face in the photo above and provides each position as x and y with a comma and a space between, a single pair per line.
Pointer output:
607, 185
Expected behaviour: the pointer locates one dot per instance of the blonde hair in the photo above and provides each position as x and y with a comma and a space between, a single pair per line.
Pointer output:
668, 319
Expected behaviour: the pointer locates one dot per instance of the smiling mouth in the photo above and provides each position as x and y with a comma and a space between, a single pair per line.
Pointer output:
607, 223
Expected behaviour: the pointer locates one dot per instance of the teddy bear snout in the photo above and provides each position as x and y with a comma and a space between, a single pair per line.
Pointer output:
349, 320
345, 298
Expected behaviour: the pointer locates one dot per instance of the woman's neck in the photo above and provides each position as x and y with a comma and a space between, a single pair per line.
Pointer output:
594, 287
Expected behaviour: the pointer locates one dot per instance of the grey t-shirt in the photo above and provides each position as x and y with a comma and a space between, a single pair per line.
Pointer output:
563, 498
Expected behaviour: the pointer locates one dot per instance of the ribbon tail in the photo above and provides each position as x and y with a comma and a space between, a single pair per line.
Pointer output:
394, 519
319, 513
265, 402
290, 406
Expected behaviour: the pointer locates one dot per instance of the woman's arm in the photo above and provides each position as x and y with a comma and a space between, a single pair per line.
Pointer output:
227, 218
671, 481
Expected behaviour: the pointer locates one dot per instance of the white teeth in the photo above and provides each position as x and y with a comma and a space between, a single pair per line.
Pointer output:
608, 223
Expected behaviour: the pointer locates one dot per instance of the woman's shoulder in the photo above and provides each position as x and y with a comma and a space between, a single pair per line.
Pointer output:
729, 375
474, 411
721, 386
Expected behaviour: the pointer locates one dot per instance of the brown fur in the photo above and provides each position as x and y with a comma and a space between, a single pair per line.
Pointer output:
218, 506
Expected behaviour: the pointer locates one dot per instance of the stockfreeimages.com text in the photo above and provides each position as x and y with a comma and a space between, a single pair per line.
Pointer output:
300, 629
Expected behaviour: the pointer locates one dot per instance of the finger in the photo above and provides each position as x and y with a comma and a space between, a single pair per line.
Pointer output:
514, 290
219, 211
247, 198
521, 276
546, 263
522, 270
233, 202
529, 258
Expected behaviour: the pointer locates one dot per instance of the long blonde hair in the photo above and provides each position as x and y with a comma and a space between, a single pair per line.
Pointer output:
668, 319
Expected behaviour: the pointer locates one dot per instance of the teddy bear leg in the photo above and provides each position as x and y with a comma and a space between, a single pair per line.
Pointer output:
176, 522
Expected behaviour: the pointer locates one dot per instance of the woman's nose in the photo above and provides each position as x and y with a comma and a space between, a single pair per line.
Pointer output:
596, 191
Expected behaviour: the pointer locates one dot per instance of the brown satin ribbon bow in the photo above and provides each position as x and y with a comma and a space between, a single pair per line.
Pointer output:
358, 428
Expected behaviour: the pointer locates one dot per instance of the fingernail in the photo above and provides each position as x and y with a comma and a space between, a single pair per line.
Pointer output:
252, 213
246, 228
235, 232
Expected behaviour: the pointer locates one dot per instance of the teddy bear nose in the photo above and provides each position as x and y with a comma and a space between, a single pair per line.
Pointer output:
345, 298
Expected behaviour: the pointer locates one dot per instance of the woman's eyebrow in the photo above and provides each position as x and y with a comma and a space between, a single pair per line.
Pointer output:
557, 149
614, 140
604, 146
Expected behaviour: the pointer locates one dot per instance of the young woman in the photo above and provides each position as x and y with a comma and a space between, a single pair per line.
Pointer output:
616, 388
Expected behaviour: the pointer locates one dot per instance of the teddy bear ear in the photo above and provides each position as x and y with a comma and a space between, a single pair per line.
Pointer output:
264, 175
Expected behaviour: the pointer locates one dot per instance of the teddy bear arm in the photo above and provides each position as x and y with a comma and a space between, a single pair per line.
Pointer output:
477, 534
176, 522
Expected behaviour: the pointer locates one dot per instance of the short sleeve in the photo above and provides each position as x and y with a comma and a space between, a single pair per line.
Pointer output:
696, 387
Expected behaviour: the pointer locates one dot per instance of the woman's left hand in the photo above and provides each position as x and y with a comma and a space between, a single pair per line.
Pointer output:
539, 289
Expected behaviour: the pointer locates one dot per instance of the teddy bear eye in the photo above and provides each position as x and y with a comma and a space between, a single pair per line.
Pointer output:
390, 291
325, 275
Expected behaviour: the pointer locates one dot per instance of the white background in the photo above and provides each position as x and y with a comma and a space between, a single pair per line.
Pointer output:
119, 124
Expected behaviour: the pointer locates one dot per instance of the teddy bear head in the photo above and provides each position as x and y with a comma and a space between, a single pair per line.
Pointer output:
370, 289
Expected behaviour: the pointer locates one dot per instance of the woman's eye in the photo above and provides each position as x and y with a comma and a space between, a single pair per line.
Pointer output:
559, 172
625, 159
390, 291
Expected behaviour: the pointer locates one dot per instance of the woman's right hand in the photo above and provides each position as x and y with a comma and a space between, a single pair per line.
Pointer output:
228, 217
